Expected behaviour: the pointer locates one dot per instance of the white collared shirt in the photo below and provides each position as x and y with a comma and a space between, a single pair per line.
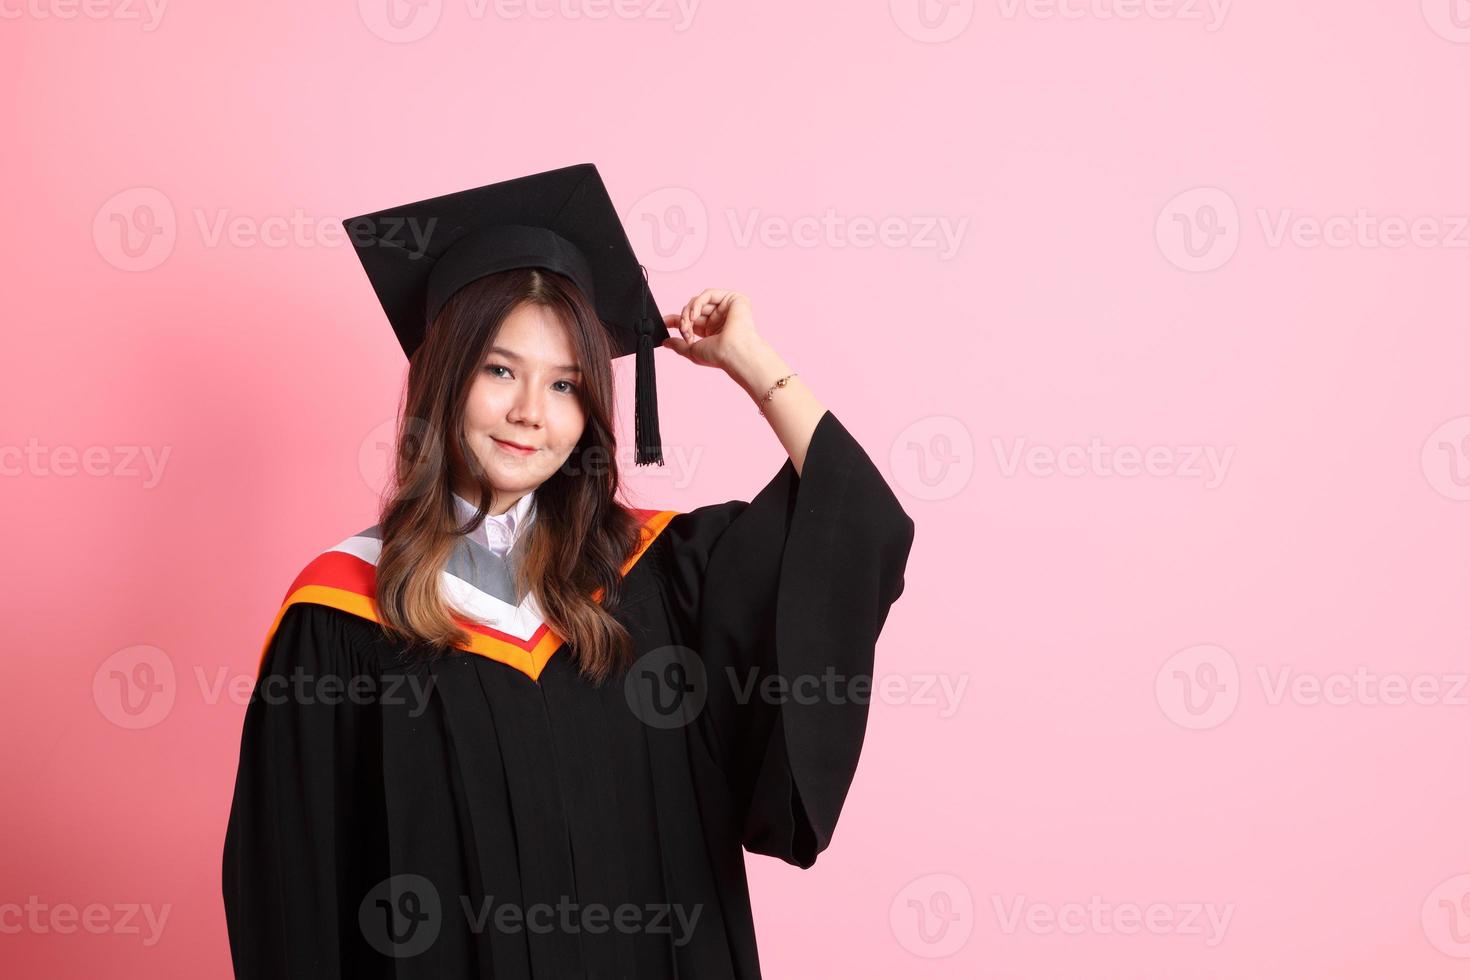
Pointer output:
498, 534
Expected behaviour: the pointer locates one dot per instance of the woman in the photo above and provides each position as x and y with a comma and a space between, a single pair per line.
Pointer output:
517, 729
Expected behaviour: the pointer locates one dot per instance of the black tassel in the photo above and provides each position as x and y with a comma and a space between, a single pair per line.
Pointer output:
645, 419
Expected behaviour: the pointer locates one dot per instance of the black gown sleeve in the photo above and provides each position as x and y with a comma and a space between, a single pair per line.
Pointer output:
789, 592
303, 838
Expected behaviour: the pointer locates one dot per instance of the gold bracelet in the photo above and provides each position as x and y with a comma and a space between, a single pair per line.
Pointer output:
772, 390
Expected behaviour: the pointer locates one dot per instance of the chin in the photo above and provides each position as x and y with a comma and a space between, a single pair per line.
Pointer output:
513, 479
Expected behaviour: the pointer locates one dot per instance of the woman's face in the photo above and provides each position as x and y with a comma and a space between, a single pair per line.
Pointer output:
524, 393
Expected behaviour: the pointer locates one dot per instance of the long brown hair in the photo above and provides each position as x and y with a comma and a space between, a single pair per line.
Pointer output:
580, 536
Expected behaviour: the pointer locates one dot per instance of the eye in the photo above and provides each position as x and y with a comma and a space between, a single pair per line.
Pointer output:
492, 368
570, 387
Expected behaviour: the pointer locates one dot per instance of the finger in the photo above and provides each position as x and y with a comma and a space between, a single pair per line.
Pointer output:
716, 306
671, 322
691, 308
706, 305
711, 316
703, 298
709, 298
685, 327
701, 310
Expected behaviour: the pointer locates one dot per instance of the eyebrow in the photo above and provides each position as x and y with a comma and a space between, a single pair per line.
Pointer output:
512, 355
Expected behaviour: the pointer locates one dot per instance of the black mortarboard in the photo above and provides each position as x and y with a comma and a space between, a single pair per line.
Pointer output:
417, 255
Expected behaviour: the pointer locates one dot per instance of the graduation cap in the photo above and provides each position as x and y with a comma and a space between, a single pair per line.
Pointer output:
418, 255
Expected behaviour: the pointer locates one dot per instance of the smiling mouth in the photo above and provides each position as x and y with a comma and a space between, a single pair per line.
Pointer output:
514, 445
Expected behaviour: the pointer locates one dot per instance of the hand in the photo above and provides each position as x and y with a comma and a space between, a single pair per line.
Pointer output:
711, 327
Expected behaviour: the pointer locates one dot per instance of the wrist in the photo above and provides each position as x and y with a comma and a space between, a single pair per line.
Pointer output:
755, 366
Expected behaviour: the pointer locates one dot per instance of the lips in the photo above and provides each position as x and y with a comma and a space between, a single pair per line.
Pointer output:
515, 446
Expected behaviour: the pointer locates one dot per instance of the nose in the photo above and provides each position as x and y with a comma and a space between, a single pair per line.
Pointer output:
528, 407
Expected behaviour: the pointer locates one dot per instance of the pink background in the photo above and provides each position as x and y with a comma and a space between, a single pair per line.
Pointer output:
1116, 187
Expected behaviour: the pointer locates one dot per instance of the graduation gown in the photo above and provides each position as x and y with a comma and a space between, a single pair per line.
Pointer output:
488, 813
